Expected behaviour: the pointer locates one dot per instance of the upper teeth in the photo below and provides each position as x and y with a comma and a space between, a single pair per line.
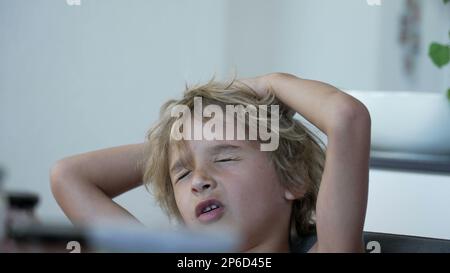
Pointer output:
211, 207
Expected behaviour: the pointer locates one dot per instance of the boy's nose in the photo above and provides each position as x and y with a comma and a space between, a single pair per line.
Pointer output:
202, 183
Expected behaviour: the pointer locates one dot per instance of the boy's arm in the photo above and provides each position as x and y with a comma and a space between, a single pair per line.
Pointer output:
84, 184
342, 199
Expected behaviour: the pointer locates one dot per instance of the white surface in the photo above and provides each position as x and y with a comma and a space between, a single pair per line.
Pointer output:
412, 122
409, 203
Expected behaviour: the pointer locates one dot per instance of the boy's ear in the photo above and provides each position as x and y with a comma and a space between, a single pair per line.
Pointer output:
288, 195
291, 195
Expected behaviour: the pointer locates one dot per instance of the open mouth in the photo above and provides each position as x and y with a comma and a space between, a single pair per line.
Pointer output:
209, 210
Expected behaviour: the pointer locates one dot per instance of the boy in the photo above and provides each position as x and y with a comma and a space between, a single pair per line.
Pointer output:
264, 195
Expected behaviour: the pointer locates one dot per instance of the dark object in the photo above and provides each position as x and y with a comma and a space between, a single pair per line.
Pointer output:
22, 200
410, 162
48, 238
49, 233
2, 175
388, 243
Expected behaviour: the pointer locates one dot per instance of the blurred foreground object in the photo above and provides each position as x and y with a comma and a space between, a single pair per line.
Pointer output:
116, 238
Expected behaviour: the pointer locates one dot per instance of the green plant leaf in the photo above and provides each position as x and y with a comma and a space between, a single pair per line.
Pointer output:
448, 94
439, 54
446, 1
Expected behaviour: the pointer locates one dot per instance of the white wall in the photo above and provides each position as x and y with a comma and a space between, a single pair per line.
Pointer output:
334, 41
74, 79
434, 28
346, 43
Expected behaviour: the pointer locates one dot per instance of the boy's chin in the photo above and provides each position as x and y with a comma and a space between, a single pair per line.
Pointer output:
217, 227
214, 227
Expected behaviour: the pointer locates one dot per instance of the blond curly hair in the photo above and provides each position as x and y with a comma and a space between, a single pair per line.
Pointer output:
298, 161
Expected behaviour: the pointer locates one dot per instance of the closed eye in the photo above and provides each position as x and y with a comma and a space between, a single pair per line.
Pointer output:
183, 175
226, 159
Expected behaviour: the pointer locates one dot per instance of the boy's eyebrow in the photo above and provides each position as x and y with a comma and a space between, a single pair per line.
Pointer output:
223, 148
178, 165
214, 150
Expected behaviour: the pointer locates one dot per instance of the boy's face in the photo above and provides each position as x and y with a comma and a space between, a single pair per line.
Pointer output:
230, 184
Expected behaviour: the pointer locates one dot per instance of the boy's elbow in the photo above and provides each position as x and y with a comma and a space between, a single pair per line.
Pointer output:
59, 173
350, 113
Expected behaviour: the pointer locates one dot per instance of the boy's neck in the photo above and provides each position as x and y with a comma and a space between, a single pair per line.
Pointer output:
270, 246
